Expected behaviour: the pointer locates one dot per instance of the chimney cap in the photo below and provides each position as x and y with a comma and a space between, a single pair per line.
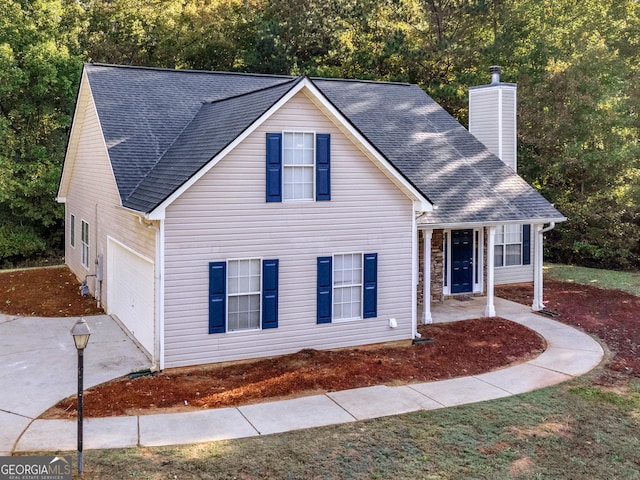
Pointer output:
495, 74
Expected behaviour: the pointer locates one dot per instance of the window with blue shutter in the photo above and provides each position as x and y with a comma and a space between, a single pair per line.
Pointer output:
274, 167
325, 284
243, 295
323, 166
297, 167
526, 244
370, 294
269, 294
217, 296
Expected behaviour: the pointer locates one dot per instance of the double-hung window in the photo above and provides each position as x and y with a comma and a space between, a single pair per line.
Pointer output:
298, 166
347, 287
243, 295
512, 245
84, 240
243, 281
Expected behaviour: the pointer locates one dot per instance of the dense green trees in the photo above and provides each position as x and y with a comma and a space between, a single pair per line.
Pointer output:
576, 63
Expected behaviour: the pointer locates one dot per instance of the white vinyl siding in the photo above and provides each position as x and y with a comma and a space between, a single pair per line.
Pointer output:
84, 241
224, 215
243, 294
492, 120
298, 163
347, 286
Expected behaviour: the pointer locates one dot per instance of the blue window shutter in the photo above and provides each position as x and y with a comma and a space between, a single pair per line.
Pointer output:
325, 284
269, 294
274, 167
217, 294
526, 244
370, 296
323, 166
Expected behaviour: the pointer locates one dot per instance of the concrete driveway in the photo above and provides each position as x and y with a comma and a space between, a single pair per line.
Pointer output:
38, 366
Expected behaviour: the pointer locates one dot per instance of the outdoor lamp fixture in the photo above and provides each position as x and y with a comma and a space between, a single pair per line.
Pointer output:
81, 333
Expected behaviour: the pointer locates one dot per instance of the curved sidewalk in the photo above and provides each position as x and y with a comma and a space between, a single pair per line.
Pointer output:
570, 353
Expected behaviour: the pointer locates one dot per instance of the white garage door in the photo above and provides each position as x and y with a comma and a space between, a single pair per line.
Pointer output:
130, 292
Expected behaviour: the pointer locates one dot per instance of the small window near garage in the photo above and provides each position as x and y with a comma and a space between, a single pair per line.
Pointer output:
72, 230
84, 240
244, 291
508, 246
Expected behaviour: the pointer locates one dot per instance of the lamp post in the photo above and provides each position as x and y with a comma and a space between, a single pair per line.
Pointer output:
81, 333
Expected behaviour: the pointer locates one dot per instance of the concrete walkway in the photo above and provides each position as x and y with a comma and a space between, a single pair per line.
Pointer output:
570, 353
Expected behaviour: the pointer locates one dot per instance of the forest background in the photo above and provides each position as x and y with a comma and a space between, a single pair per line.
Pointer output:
576, 62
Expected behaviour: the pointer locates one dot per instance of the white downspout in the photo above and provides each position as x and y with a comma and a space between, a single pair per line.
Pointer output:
490, 309
426, 278
538, 264
414, 279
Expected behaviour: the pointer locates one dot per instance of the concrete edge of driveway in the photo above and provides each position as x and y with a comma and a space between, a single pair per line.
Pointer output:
570, 353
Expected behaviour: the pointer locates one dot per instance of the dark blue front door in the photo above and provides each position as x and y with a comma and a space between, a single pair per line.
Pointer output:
461, 261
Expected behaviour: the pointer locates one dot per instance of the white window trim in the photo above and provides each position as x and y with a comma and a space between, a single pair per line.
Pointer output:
478, 260
313, 193
72, 230
333, 287
85, 244
228, 295
504, 249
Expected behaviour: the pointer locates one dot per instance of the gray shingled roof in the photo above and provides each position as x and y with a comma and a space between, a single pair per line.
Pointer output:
162, 126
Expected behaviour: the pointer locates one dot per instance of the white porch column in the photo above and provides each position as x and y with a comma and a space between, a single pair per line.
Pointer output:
538, 261
426, 278
490, 309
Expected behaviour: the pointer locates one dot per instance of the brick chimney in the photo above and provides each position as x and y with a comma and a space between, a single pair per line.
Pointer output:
492, 117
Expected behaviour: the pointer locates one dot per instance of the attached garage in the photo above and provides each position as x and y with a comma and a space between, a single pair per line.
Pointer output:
130, 291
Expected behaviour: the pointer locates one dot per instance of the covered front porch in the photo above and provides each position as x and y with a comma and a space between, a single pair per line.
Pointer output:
459, 263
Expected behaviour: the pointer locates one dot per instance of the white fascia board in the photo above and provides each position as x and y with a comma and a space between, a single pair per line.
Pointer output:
305, 84
61, 199
421, 204
72, 138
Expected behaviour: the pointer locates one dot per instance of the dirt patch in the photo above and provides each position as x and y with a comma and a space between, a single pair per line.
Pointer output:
459, 349
611, 315
44, 292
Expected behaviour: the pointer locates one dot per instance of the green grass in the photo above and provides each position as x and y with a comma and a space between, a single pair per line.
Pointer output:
568, 431
627, 281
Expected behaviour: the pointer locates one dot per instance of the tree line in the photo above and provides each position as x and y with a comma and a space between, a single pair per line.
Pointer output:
576, 63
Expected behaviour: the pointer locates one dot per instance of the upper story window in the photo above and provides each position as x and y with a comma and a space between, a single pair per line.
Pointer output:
298, 165
84, 240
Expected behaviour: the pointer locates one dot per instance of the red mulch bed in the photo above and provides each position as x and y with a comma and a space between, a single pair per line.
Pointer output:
459, 349
44, 292
611, 315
